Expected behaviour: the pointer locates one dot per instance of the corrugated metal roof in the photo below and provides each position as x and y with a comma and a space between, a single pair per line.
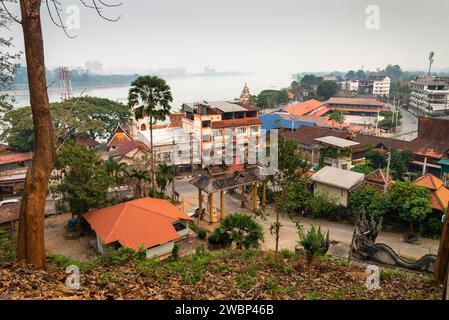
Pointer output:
146, 221
337, 177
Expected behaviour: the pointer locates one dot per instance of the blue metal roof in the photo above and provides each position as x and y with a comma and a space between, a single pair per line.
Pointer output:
276, 121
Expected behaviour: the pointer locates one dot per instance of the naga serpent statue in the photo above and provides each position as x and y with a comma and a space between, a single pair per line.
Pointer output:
366, 248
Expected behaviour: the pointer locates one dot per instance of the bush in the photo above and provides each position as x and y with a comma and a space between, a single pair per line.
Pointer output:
321, 205
175, 252
241, 229
220, 238
119, 256
314, 242
202, 234
7, 247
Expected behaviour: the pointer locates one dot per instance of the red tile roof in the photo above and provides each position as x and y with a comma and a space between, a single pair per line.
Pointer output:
303, 108
15, 157
146, 221
129, 146
235, 123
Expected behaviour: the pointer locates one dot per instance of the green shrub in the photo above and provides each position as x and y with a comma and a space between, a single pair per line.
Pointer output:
239, 228
7, 247
115, 257
314, 242
175, 252
193, 227
202, 234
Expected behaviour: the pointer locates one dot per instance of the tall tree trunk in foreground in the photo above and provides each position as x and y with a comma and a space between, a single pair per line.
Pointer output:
31, 248
442, 263
153, 174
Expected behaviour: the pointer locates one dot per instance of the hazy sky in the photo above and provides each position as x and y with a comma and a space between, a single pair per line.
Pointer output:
254, 35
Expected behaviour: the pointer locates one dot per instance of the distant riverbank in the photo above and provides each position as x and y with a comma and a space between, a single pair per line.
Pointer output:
184, 89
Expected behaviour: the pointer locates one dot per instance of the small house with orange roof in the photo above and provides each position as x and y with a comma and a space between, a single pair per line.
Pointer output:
439, 194
154, 224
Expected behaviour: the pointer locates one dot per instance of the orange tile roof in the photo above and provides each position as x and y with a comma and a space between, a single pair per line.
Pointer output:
442, 194
320, 112
429, 181
303, 108
119, 138
146, 221
15, 157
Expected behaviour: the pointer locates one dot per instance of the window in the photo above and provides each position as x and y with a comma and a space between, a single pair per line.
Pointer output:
254, 129
218, 133
143, 127
206, 124
241, 130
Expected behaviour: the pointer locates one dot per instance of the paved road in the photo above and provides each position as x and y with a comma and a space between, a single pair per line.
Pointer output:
342, 233
409, 123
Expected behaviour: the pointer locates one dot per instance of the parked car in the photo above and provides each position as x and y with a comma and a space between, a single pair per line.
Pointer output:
9, 201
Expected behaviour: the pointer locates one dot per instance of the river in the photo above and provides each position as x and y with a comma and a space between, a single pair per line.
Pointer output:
186, 89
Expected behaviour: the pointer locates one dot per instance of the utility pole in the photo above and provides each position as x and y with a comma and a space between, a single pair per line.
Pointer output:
174, 168
387, 173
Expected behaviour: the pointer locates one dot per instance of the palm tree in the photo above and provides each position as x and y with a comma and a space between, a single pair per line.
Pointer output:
117, 170
164, 175
140, 176
150, 97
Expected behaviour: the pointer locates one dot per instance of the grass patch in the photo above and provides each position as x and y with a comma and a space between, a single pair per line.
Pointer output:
219, 268
389, 274
312, 295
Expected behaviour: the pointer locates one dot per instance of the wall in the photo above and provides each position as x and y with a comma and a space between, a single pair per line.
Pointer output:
340, 195
161, 250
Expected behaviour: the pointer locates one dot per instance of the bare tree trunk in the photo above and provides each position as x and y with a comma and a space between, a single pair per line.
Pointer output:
277, 235
31, 247
153, 187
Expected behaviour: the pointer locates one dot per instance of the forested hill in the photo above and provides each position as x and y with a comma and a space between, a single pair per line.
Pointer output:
79, 78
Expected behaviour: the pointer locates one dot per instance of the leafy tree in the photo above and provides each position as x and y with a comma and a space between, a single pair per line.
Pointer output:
337, 115
239, 228
327, 89
82, 179
292, 165
361, 75
376, 158
295, 197
84, 117
409, 202
399, 162
310, 80
394, 72
150, 96
365, 168
369, 201
351, 75
314, 242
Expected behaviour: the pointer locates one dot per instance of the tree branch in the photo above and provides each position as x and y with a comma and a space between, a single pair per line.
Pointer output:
9, 13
